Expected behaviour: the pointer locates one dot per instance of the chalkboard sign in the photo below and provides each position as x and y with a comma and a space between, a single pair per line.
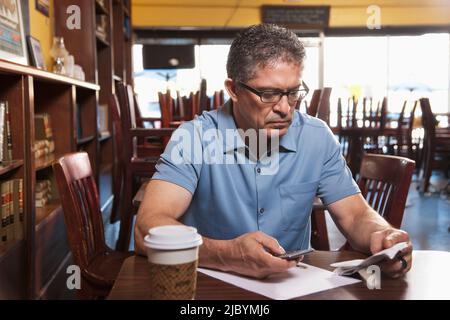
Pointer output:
299, 17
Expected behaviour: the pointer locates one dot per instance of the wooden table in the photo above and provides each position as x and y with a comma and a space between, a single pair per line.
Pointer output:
429, 278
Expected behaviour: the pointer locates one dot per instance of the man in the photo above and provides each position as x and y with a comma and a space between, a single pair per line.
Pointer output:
247, 217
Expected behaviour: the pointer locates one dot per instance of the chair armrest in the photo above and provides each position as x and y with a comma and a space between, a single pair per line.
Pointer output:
150, 118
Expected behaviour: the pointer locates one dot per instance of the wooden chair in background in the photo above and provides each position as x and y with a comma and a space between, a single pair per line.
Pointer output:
323, 109
99, 264
138, 162
384, 182
218, 99
314, 103
436, 150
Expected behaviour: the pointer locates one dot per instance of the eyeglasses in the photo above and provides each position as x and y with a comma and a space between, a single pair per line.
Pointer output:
274, 96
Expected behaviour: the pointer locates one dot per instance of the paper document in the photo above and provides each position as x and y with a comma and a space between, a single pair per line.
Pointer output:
353, 266
295, 282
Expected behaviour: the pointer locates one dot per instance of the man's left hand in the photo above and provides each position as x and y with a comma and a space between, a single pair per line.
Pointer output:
384, 239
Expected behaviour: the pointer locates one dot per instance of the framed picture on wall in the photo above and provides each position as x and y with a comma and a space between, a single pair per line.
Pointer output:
43, 7
12, 37
36, 56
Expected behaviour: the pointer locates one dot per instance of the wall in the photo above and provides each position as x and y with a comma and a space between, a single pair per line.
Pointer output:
41, 28
220, 13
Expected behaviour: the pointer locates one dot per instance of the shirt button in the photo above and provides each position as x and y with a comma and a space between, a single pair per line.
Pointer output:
261, 211
258, 170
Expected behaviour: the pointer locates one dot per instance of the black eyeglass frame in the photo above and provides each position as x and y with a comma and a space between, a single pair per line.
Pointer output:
280, 93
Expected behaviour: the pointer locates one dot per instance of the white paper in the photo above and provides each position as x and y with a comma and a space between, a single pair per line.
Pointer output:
295, 282
353, 266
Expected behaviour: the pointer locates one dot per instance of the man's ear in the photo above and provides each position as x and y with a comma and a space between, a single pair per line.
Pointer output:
230, 86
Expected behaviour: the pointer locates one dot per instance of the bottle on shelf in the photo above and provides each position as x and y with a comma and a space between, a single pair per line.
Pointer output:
59, 54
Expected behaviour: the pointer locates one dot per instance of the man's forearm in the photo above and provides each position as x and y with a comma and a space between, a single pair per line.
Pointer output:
143, 224
216, 254
363, 226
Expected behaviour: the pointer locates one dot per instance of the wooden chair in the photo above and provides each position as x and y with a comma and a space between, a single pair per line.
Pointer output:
137, 163
360, 135
402, 144
436, 150
314, 103
323, 109
384, 182
218, 99
80, 201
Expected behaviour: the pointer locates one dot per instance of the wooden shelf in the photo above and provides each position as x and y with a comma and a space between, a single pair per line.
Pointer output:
104, 137
49, 209
7, 166
45, 162
7, 67
85, 140
101, 39
100, 8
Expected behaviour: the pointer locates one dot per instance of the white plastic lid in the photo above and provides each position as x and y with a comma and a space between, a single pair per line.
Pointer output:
173, 237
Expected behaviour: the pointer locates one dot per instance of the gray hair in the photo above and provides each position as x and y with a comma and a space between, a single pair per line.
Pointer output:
261, 45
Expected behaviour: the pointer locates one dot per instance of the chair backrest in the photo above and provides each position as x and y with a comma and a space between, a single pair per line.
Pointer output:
429, 123
406, 122
218, 98
126, 104
137, 112
314, 103
384, 182
323, 110
80, 203
195, 104
181, 108
166, 105
347, 115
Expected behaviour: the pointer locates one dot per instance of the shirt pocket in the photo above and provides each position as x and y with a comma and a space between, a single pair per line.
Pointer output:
296, 204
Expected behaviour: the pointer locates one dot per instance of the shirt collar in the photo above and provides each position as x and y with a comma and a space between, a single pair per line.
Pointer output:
225, 121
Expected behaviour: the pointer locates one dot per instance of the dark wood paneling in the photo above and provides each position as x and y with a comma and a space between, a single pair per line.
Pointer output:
51, 248
79, 42
13, 271
56, 288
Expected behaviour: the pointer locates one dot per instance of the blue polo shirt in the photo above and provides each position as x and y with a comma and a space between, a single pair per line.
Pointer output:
234, 193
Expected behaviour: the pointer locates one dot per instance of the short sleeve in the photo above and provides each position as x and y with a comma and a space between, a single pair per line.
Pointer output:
180, 163
336, 181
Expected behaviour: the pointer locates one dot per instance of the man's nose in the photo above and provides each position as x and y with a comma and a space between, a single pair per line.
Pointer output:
283, 107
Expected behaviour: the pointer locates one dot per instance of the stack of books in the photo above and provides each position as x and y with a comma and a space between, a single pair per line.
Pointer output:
12, 213
44, 144
5, 133
43, 193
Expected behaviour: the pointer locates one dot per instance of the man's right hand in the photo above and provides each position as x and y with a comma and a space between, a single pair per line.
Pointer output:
252, 254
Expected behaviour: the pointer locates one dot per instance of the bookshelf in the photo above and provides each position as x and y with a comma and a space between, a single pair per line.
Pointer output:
35, 267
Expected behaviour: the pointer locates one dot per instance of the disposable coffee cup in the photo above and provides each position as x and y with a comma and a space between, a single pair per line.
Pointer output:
172, 253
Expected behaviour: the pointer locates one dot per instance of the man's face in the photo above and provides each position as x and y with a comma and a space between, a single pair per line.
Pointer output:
251, 112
